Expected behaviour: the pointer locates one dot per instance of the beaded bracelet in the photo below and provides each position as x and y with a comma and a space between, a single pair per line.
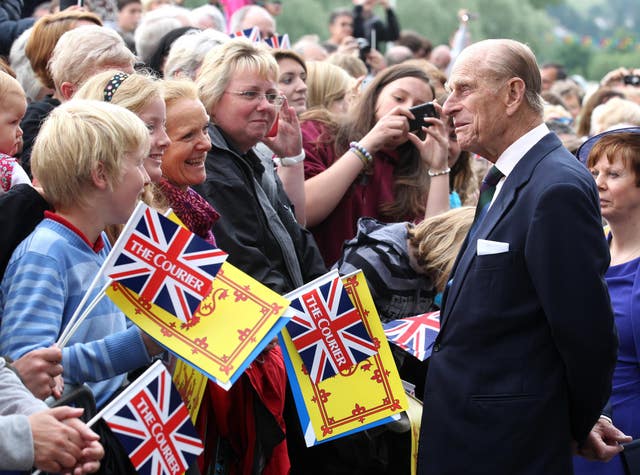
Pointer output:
356, 146
446, 171
360, 155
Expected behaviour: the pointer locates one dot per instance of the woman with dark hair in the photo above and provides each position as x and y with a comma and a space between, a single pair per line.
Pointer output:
372, 164
292, 80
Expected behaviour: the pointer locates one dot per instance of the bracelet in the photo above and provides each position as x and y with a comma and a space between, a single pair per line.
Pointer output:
446, 171
360, 155
290, 161
356, 146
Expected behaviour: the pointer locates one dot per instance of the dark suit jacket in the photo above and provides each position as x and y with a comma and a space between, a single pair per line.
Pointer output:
523, 362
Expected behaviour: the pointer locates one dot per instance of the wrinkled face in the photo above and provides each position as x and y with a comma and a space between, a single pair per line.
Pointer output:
341, 27
293, 84
478, 112
187, 127
265, 23
246, 120
12, 109
619, 194
129, 17
154, 116
454, 147
127, 192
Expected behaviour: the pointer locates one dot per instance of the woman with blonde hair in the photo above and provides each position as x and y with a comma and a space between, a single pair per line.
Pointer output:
183, 162
406, 265
329, 87
142, 94
238, 87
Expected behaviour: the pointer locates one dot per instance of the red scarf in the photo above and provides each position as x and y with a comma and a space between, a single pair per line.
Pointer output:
192, 209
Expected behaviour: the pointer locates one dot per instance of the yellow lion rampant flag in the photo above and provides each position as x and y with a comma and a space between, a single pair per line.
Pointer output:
232, 325
360, 397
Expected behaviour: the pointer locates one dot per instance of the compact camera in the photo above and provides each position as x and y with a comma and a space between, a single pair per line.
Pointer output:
365, 48
632, 80
420, 112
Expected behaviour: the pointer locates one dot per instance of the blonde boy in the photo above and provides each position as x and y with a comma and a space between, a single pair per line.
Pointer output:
88, 158
13, 104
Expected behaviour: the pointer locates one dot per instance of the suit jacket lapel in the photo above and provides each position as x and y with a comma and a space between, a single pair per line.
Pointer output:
518, 177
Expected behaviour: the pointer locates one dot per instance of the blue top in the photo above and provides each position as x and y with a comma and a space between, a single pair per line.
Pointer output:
625, 393
47, 276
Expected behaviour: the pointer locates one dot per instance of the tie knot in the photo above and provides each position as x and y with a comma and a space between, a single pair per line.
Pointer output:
493, 177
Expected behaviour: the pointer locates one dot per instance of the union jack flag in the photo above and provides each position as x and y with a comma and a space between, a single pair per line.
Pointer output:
326, 328
281, 42
164, 263
415, 335
252, 34
153, 424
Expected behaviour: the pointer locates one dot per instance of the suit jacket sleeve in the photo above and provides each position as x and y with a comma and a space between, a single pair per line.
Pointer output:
568, 256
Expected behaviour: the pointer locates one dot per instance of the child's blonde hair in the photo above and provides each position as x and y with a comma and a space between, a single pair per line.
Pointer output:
436, 241
133, 93
9, 85
78, 137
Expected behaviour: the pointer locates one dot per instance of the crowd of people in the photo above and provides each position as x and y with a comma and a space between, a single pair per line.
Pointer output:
298, 158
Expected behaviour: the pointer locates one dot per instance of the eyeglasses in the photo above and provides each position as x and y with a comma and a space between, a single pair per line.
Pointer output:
251, 96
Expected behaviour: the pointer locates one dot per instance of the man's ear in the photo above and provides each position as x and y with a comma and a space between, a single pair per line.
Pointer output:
99, 177
514, 95
67, 90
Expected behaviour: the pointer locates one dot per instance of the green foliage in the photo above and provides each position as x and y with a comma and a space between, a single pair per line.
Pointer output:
605, 61
574, 56
531, 21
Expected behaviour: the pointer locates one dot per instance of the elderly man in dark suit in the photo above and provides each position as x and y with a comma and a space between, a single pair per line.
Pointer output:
522, 366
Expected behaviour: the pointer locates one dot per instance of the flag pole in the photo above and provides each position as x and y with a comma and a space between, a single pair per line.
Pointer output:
70, 330
72, 322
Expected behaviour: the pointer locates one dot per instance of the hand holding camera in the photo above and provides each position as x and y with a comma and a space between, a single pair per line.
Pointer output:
419, 113
631, 80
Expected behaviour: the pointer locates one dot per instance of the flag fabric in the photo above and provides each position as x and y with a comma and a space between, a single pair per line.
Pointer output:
279, 41
358, 398
231, 327
164, 263
153, 425
415, 335
326, 328
191, 385
252, 34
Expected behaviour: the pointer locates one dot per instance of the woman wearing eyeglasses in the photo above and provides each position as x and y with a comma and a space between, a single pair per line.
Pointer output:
238, 87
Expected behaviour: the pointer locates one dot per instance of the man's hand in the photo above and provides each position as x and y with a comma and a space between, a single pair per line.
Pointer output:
92, 452
57, 446
604, 442
38, 370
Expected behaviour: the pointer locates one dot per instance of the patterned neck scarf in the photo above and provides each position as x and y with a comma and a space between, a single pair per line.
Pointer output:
192, 209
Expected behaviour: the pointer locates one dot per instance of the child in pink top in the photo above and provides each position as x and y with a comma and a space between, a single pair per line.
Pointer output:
13, 104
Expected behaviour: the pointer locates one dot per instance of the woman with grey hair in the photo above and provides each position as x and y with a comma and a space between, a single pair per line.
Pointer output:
187, 52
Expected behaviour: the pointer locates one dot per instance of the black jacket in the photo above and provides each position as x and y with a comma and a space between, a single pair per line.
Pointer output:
261, 235
11, 23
